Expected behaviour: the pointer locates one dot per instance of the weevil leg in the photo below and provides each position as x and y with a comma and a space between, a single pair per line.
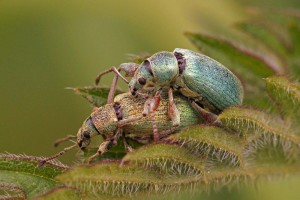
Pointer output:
112, 69
111, 94
173, 112
155, 129
61, 140
151, 104
44, 161
103, 147
106, 145
150, 107
129, 68
128, 148
124, 122
166, 133
209, 117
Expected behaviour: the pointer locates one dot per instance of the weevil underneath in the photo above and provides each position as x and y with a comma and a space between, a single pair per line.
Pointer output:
124, 119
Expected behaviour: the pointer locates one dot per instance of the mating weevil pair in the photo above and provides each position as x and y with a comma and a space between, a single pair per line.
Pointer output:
211, 86
123, 119
208, 84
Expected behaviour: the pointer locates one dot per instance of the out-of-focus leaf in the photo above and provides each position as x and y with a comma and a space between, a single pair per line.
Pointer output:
250, 176
95, 95
294, 58
24, 171
138, 58
248, 65
61, 192
285, 43
267, 33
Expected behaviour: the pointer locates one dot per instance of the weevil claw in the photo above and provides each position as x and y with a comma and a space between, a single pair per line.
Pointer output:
42, 163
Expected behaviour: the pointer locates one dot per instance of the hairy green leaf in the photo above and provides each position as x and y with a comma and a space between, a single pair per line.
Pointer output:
216, 145
286, 96
11, 191
268, 139
166, 159
24, 172
112, 179
95, 95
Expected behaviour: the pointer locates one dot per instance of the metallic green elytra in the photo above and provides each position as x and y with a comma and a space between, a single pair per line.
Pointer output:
123, 119
196, 76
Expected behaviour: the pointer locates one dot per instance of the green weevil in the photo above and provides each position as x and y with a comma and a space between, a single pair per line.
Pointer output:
123, 118
210, 85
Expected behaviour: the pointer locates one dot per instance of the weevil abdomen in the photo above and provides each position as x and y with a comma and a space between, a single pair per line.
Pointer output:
143, 127
216, 86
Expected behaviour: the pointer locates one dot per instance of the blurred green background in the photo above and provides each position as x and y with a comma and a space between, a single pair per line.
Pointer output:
46, 46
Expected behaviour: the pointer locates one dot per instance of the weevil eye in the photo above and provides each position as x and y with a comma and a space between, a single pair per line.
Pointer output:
142, 81
133, 93
86, 134
80, 143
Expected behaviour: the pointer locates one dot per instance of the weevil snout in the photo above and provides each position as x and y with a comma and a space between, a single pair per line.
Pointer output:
83, 138
134, 87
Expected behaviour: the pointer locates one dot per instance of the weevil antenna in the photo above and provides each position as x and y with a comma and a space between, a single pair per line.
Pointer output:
43, 162
113, 69
61, 140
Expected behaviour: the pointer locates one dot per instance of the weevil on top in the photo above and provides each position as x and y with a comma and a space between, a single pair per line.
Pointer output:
122, 118
209, 85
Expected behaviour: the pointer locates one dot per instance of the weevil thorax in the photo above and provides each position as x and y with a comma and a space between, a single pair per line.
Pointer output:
158, 71
103, 122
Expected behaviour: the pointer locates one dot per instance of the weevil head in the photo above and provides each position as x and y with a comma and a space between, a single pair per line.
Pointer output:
102, 121
142, 79
156, 72
85, 133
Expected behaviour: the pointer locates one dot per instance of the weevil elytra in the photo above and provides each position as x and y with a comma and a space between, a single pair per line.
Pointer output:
123, 118
210, 85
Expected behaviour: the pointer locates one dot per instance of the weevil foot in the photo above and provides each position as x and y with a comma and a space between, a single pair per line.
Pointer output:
128, 148
103, 147
209, 117
173, 112
42, 163
90, 159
